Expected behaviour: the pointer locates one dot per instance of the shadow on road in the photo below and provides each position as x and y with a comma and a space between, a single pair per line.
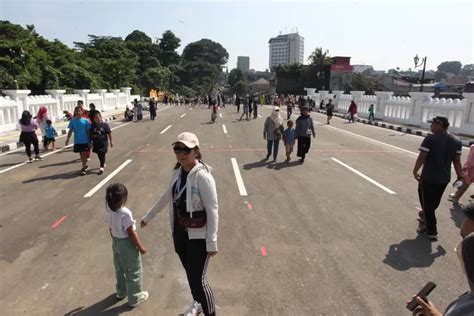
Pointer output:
64, 176
282, 165
258, 164
101, 308
63, 163
457, 214
412, 253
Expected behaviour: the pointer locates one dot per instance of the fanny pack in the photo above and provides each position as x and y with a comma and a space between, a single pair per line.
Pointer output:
198, 220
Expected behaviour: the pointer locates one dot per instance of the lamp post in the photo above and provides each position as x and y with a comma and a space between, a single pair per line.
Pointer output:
423, 63
16, 54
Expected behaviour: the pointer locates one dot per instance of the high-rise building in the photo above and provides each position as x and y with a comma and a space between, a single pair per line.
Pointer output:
286, 49
243, 63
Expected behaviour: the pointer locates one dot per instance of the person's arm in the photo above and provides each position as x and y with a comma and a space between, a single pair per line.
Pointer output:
110, 139
419, 162
156, 208
265, 129
312, 128
208, 193
69, 133
458, 167
133, 235
428, 308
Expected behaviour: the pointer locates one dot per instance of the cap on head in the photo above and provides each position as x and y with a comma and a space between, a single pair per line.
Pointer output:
440, 119
190, 140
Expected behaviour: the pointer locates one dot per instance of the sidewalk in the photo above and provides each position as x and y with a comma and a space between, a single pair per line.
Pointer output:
397, 127
9, 140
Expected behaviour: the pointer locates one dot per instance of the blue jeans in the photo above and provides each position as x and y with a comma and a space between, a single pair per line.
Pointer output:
273, 143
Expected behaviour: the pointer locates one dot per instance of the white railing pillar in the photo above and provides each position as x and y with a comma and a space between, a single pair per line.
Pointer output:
116, 93
417, 99
84, 93
127, 91
102, 93
58, 95
20, 98
382, 97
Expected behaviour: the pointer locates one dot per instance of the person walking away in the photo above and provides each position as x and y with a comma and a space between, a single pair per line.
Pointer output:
289, 139
194, 217
255, 106
304, 129
468, 170
352, 111
213, 111
41, 117
237, 103
329, 111
437, 151
100, 137
249, 101
127, 248
371, 113
85, 114
28, 137
92, 112
321, 105
246, 109
272, 132
289, 108
80, 126
152, 105
50, 135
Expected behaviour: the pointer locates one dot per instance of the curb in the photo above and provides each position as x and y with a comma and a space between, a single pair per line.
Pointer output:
407, 130
12, 146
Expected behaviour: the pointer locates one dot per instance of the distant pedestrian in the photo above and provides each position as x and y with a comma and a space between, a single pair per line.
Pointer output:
237, 103
41, 117
321, 104
126, 246
250, 100
50, 136
246, 109
92, 112
468, 170
352, 111
371, 113
152, 106
289, 108
28, 136
329, 110
194, 217
272, 132
214, 108
255, 106
437, 152
85, 114
138, 110
128, 115
67, 115
304, 129
289, 139
80, 126
101, 136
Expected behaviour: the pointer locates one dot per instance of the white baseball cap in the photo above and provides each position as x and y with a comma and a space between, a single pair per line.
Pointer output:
188, 139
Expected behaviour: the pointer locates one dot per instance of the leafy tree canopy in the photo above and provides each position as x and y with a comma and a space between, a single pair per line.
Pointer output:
206, 50
453, 67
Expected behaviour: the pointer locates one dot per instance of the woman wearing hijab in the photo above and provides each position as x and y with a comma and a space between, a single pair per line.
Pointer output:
468, 170
193, 211
352, 111
304, 129
272, 132
28, 135
41, 119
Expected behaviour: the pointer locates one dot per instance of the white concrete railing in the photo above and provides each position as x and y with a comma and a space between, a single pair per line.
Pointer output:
414, 110
17, 101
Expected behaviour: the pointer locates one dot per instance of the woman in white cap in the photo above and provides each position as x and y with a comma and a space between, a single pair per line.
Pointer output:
272, 132
193, 210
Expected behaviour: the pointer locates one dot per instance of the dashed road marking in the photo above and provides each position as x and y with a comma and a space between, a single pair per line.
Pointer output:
110, 176
263, 251
182, 115
238, 177
59, 221
224, 128
164, 131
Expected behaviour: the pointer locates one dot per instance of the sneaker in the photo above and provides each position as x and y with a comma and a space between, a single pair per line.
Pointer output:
120, 297
142, 299
89, 159
30, 160
452, 198
101, 170
86, 168
268, 156
193, 310
424, 233
38, 158
83, 172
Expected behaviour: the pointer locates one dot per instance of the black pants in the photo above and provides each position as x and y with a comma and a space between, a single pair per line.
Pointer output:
28, 147
101, 156
238, 108
371, 117
303, 146
194, 258
255, 110
152, 115
289, 111
430, 196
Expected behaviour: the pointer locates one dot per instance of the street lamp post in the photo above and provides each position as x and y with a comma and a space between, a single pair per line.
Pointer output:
14, 55
423, 63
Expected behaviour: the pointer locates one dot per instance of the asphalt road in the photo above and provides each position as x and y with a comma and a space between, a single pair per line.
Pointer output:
311, 239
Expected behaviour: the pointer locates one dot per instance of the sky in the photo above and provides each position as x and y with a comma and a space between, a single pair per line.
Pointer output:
385, 34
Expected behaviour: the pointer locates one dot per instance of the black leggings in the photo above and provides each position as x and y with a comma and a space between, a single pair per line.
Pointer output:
28, 147
194, 258
430, 196
101, 156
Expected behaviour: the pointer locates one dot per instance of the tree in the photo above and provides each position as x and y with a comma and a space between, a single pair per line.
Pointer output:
439, 75
468, 70
453, 67
235, 76
138, 36
363, 83
320, 58
206, 50
155, 78
241, 88
169, 43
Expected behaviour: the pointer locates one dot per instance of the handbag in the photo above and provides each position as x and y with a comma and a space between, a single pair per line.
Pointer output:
198, 220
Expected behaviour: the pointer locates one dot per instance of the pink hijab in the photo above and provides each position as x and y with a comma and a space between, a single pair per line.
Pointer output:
42, 113
469, 166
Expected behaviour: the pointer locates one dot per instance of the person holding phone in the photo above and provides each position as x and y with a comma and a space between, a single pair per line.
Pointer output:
193, 212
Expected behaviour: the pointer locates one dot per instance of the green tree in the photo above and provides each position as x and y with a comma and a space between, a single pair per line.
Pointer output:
363, 83
439, 75
320, 58
169, 43
468, 70
235, 75
156, 78
138, 36
453, 67
207, 51
241, 88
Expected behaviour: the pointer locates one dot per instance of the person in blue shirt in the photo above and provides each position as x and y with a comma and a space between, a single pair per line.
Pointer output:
50, 136
80, 126
289, 139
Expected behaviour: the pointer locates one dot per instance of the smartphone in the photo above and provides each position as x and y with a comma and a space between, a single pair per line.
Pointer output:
424, 292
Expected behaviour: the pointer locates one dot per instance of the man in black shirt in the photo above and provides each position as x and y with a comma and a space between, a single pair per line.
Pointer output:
437, 152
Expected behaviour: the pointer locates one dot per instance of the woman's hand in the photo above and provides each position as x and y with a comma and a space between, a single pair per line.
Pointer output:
428, 308
142, 224
212, 253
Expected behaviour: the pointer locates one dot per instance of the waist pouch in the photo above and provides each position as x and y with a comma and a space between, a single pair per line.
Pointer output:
198, 220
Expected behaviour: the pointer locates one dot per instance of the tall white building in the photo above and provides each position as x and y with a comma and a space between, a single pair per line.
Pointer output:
286, 49
243, 63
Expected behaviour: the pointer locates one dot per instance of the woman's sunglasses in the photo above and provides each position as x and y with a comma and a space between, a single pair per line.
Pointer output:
182, 150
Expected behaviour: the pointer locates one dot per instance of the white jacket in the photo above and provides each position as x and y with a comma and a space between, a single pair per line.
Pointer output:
200, 194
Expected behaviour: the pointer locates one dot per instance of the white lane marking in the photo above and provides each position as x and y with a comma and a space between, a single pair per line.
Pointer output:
225, 129
364, 176
110, 176
259, 115
220, 115
238, 177
45, 286
182, 115
164, 131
